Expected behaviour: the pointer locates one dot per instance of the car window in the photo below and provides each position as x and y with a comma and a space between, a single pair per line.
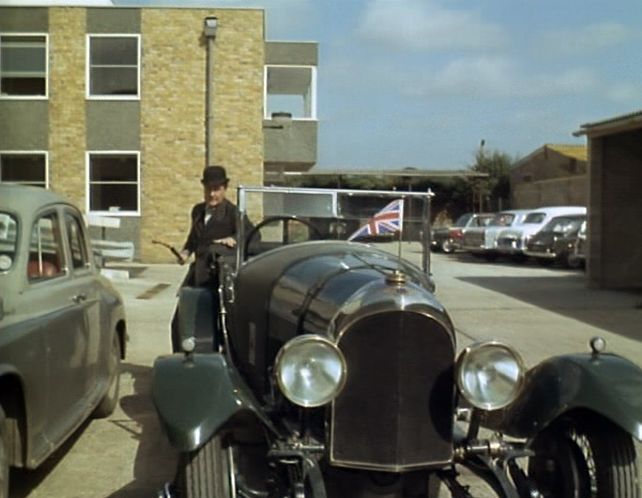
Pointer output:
45, 249
534, 218
502, 220
79, 258
8, 240
564, 225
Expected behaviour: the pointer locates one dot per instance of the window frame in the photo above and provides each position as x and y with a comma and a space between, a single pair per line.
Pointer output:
27, 153
313, 90
63, 265
88, 94
75, 217
88, 182
28, 97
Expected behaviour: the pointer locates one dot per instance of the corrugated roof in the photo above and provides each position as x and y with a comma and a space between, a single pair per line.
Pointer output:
579, 152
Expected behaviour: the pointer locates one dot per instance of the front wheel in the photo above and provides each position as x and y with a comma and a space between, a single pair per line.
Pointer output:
109, 401
447, 246
584, 458
207, 472
4, 458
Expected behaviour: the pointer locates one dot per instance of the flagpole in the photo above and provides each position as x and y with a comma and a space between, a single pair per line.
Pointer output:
400, 242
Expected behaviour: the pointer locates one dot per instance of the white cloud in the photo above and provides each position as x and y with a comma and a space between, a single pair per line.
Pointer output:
424, 25
586, 39
497, 77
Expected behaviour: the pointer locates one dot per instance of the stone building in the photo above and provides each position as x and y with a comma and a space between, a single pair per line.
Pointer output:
553, 175
120, 108
614, 259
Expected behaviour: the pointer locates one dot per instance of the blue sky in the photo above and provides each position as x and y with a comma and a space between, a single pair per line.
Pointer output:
418, 83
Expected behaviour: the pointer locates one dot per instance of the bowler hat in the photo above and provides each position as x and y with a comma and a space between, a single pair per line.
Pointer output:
214, 175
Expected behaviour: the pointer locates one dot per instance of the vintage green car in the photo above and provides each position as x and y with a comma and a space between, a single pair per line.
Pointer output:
328, 368
62, 328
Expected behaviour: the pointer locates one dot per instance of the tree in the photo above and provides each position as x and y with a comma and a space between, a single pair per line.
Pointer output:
493, 191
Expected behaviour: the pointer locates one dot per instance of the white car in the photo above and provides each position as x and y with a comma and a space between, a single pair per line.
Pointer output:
512, 241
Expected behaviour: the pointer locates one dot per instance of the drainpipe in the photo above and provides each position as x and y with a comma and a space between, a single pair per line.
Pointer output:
210, 25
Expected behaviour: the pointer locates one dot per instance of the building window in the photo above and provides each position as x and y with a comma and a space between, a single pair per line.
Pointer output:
29, 168
113, 66
113, 186
291, 90
23, 65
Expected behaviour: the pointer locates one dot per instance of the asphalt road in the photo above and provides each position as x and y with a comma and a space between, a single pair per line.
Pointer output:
541, 311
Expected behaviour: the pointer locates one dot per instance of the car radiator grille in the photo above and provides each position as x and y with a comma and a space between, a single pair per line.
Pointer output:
396, 410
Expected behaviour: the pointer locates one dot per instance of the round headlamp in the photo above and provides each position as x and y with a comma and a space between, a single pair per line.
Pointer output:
490, 375
310, 370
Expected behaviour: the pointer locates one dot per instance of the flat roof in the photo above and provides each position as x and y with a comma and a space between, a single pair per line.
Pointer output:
616, 124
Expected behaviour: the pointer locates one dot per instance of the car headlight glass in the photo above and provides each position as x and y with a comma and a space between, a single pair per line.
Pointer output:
490, 375
310, 370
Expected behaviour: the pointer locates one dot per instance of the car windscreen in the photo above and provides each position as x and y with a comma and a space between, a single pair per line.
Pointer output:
564, 225
462, 220
502, 220
534, 218
285, 215
8, 240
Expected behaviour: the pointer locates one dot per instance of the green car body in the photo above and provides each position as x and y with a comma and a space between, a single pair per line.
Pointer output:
62, 326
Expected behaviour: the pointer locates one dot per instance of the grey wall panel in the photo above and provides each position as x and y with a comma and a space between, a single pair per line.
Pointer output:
295, 53
113, 125
24, 19
109, 20
24, 125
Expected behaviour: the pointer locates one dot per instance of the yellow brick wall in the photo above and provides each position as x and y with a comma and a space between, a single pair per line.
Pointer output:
67, 102
173, 114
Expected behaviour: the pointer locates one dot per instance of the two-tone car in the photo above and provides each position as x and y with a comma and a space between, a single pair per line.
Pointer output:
482, 241
62, 328
512, 241
555, 243
448, 239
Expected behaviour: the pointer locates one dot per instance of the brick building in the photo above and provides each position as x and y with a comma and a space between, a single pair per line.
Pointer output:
553, 175
119, 109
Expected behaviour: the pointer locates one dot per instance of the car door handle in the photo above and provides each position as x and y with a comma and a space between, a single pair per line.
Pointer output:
79, 298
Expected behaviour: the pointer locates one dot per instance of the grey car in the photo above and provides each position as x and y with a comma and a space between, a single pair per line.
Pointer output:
62, 328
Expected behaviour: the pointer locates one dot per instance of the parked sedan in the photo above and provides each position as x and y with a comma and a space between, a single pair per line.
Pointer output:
512, 241
449, 239
62, 328
556, 241
482, 241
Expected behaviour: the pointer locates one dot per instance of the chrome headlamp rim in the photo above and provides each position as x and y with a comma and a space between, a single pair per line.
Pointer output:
311, 338
519, 383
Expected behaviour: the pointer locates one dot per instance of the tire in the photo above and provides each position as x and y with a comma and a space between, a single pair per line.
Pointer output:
4, 457
584, 458
447, 246
206, 472
573, 262
109, 401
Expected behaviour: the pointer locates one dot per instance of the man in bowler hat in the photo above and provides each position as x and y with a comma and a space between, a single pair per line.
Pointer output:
213, 222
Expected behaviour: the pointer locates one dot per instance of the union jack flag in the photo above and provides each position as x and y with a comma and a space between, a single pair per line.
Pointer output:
388, 220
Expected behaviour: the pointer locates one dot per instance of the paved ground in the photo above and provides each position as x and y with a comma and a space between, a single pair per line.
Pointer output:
542, 311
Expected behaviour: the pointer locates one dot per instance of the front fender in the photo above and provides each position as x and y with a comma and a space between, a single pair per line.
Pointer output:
607, 384
195, 395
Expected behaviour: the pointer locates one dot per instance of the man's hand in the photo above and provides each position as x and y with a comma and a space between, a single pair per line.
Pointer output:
184, 255
226, 241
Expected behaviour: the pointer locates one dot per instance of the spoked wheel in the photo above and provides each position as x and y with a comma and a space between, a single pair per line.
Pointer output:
207, 472
591, 458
